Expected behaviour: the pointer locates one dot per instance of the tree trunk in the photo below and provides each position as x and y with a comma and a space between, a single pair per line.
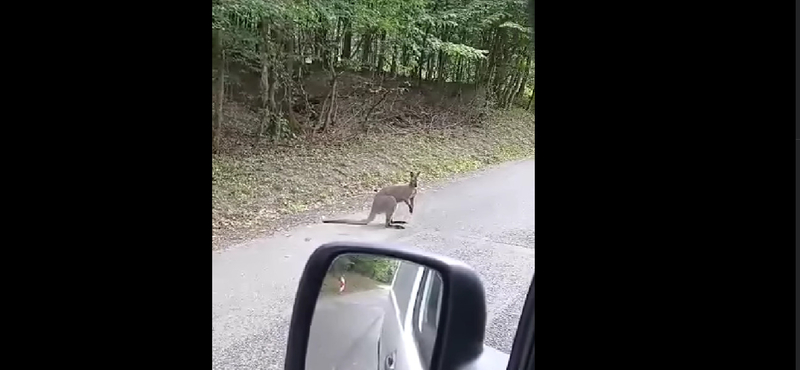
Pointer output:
328, 117
274, 109
323, 113
289, 67
499, 92
501, 73
458, 70
506, 59
291, 119
288, 84
502, 91
366, 51
264, 84
521, 87
440, 68
429, 69
405, 56
512, 98
510, 89
499, 67
337, 34
219, 90
357, 48
490, 65
381, 52
421, 61
288, 48
348, 40
393, 69
332, 116
269, 82
533, 93
332, 106
322, 43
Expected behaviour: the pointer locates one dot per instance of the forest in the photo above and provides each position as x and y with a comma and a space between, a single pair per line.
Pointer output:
264, 51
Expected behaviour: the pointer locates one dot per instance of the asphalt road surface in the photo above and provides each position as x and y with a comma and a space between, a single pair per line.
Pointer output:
345, 330
486, 220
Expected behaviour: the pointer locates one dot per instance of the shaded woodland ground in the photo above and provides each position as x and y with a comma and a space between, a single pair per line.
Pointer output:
314, 102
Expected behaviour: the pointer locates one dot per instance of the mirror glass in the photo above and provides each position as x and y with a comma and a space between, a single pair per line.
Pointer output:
375, 312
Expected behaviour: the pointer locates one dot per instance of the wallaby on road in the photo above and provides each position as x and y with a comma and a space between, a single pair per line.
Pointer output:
386, 201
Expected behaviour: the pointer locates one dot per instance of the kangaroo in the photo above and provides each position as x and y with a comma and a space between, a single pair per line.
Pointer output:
385, 202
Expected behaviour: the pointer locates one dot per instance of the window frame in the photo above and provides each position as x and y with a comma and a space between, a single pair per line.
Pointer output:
423, 331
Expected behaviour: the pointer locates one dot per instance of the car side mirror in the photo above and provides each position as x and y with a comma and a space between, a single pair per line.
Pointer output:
372, 306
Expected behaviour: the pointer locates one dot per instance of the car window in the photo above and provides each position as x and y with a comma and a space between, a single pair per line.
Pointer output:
403, 285
428, 318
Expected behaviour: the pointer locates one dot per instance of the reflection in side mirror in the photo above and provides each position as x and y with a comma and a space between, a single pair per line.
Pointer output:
407, 309
375, 312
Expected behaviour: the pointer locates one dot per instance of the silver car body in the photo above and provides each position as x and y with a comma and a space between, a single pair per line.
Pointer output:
411, 320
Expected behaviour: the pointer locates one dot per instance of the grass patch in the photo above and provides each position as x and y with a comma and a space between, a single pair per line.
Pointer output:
255, 189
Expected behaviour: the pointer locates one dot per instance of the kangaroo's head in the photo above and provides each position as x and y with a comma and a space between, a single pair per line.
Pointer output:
413, 182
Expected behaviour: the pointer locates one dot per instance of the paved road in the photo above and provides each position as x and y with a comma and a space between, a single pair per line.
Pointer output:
486, 220
345, 331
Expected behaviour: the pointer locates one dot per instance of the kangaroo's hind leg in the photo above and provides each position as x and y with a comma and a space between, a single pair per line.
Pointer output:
410, 209
389, 223
392, 224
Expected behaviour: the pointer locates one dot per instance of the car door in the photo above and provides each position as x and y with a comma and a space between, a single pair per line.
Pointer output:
523, 351
409, 326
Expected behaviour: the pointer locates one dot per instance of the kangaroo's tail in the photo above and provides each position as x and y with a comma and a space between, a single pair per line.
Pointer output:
343, 221
351, 222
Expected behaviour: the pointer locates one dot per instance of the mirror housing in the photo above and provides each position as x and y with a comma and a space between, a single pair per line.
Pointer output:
463, 314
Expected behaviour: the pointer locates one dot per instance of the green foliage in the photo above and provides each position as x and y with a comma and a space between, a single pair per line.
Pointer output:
230, 15
487, 43
515, 26
381, 269
461, 50
423, 27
